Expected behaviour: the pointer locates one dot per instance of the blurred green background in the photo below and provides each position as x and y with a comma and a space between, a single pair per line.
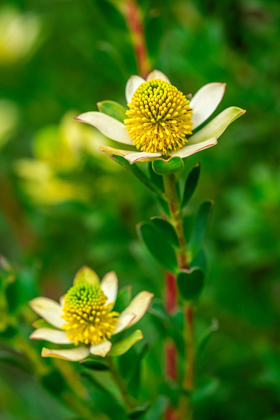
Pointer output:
63, 204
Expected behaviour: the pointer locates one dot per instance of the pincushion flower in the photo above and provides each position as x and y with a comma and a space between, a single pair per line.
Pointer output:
84, 319
161, 121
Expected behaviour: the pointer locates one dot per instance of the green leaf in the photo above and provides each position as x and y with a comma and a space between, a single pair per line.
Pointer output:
155, 178
158, 409
54, 382
124, 345
200, 226
191, 184
166, 167
158, 246
15, 360
158, 310
41, 323
166, 229
138, 412
113, 109
95, 365
123, 299
199, 260
134, 169
164, 206
135, 380
190, 283
9, 332
206, 336
205, 390
188, 223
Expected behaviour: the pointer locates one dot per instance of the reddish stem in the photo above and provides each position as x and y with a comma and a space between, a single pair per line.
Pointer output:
171, 293
134, 22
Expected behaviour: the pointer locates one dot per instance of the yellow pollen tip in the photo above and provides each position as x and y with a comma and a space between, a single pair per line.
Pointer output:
151, 122
88, 317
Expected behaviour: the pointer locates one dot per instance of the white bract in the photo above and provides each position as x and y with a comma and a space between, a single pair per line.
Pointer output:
84, 320
158, 118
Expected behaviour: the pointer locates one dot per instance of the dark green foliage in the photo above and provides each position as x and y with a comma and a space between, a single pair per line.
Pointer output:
123, 299
200, 227
190, 283
158, 246
137, 172
113, 109
190, 185
162, 167
165, 229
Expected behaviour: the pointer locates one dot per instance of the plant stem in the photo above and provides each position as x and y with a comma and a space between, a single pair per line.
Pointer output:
132, 14
177, 221
74, 399
120, 385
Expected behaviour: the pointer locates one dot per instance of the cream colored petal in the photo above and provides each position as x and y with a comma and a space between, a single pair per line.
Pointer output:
49, 334
133, 83
141, 157
138, 306
107, 125
217, 126
125, 319
109, 285
113, 151
101, 349
61, 300
74, 355
205, 101
156, 74
191, 149
49, 310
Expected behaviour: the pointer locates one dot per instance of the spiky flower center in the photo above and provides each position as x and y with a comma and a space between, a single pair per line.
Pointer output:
159, 118
88, 318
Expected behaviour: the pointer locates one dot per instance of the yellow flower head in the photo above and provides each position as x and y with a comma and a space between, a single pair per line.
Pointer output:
89, 319
159, 118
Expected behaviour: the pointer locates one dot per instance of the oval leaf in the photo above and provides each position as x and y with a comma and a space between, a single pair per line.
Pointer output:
113, 109
200, 227
124, 345
190, 283
123, 299
166, 229
158, 246
138, 173
206, 336
191, 184
94, 365
166, 167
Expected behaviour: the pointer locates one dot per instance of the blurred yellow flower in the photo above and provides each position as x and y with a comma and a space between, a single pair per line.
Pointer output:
58, 149
42, 185
19, 34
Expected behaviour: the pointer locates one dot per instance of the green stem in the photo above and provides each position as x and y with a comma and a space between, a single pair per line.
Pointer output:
176, 219
121, 385
31, 354
74, 399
